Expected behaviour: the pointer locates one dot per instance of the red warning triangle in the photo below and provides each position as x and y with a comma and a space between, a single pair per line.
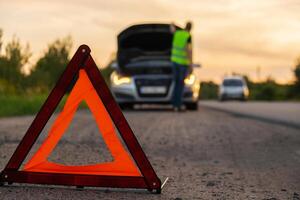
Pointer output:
123, 171
84, 91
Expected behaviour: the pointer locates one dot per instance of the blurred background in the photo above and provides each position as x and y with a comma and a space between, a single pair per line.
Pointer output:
258, 40
249, 51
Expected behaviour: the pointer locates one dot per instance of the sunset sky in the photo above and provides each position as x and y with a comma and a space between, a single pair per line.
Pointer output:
228, 35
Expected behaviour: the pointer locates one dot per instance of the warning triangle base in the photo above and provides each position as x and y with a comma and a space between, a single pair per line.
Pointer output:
146, 179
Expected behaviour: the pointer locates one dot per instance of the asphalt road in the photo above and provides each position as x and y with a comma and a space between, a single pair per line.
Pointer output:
209, 154
285, 113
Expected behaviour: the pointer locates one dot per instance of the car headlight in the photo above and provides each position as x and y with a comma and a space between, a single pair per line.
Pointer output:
190, 80
118, 79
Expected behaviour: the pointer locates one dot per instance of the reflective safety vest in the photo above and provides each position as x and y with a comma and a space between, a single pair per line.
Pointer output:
179, 52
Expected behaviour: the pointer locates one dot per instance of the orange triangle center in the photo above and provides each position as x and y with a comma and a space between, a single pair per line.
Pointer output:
83, 90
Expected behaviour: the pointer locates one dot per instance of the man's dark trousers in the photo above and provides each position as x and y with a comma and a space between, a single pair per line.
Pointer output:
179, 76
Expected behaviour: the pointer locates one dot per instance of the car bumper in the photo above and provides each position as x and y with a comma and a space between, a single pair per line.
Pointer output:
129, 94
232, 96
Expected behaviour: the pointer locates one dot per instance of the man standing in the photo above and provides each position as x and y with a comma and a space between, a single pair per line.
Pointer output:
181, 57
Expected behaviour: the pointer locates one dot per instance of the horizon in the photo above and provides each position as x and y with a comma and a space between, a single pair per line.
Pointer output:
229, 36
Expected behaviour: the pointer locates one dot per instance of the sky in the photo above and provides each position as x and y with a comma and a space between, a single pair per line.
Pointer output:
257, 38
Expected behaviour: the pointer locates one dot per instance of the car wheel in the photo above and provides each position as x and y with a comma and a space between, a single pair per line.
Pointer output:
222, 99
243, 99
126, 106
192, 106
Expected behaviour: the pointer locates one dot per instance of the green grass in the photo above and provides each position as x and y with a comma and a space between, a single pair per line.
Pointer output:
11, 105
17, 105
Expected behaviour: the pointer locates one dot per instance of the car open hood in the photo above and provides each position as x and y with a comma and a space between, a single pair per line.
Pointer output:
144, 42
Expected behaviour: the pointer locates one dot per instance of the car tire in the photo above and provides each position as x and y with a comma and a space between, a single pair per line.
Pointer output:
126, 106
192, 106
222, 99
243, 99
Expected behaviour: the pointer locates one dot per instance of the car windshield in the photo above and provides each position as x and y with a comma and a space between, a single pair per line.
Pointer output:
233, 82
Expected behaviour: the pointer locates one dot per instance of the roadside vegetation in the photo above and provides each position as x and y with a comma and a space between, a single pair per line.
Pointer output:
267, 90
12, 104
22, 92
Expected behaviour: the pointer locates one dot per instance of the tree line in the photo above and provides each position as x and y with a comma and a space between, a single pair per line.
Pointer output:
43, 74
267, 90
47, 69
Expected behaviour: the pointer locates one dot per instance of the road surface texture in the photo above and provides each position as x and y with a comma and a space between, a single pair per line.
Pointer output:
208, 154
276, 112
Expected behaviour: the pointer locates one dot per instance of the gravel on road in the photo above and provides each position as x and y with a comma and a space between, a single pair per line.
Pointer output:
206, 155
